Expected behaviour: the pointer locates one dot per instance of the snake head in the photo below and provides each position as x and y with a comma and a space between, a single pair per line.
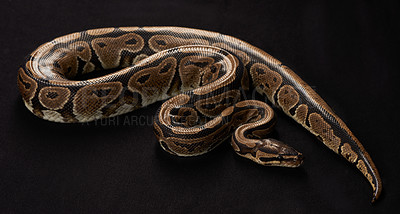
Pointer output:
271, 152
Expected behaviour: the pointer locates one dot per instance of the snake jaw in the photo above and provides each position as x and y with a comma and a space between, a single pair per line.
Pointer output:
293, 161
272, 152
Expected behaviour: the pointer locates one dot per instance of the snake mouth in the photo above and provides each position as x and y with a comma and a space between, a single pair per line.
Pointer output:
294, 161
291, 161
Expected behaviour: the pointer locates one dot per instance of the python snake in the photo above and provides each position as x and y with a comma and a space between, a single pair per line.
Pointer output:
204, 72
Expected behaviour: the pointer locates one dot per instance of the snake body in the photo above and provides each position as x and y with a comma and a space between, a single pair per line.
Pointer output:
203, 73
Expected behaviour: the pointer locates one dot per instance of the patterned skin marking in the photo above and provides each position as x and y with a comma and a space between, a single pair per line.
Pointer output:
287, 97
89, 100
191, 68
152, 83
67, 59
54, 98
266, 80
301, 113
26, 85
361, 166
109, 49
211, 73
322, 129
348, 153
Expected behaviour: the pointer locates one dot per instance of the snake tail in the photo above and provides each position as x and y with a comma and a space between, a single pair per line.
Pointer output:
305, 106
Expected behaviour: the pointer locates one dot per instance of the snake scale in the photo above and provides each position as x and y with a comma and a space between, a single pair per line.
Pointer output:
203, 73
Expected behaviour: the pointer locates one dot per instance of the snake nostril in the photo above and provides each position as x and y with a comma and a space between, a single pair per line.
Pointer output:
299, 158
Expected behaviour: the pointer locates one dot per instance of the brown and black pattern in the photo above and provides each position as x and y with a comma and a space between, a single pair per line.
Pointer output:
27, 86
106, 72
191, 68
109, 49
54, 98
89, 100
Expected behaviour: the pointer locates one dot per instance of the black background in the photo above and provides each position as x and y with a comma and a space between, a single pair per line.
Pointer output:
347, 51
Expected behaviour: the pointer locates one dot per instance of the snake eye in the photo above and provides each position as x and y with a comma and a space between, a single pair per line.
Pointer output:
280, 158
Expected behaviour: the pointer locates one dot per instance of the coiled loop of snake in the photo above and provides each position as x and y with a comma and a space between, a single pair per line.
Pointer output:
203, 72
